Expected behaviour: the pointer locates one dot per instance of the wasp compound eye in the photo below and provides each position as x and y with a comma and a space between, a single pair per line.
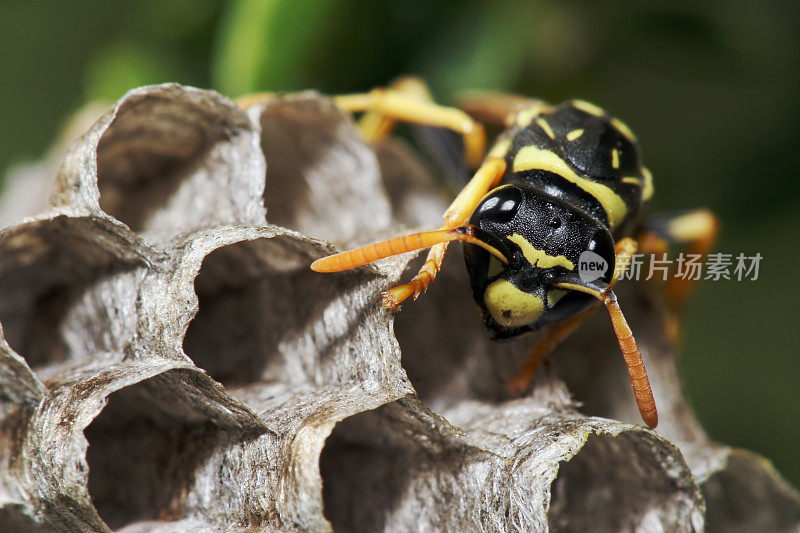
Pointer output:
602, 244
502, 205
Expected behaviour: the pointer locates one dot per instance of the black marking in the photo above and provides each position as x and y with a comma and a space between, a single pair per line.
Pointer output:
590, 154
555, 186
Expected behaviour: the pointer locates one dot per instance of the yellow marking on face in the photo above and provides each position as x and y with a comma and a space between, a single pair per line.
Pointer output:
586, 107
615, 158
533, 158
647, 189
553, 296
526, 116
511, 307
623, 129
538, 257
633, 180
542, 123
574, 134
495, 267
500, 148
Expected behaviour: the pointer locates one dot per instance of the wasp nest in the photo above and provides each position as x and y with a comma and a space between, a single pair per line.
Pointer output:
170, 363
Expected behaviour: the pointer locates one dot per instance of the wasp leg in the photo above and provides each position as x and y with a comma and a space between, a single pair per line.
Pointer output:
697, 230
409, 106
393, 297
625, 249
495, 107
542, 349
486, 178
375, 126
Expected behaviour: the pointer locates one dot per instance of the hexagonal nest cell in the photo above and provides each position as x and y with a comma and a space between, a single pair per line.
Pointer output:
168, 362
142, 438
53, 278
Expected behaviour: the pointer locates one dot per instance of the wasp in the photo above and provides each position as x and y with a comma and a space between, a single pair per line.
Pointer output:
561, 183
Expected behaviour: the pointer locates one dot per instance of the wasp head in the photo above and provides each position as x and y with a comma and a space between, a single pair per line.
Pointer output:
545, 241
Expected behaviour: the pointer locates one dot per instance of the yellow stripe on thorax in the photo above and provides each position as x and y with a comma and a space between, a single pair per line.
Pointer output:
524, 117
533, 158
538, 257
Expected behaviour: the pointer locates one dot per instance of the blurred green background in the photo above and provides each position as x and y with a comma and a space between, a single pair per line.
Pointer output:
711, 89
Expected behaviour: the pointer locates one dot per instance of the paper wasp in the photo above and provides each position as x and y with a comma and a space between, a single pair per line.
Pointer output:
561, 181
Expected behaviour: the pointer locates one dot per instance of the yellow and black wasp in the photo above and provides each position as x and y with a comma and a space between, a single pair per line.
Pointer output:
562, 181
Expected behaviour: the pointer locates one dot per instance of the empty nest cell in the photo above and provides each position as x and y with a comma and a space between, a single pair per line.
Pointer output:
380, 475
175, 159
321, 180
264, 316
47, 266
615, 472
145, 448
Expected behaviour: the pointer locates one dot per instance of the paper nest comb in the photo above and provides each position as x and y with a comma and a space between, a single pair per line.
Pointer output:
170, 363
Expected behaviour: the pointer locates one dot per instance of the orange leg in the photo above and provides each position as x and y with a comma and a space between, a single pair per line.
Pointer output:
542, 349
486, 178
455, 228
651, 242
393, 297
698, 231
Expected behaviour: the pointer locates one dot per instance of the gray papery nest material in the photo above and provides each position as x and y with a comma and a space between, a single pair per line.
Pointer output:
170, 363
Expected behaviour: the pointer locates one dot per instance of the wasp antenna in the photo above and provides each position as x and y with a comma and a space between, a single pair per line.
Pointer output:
627, 343
399, 245
633, 359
